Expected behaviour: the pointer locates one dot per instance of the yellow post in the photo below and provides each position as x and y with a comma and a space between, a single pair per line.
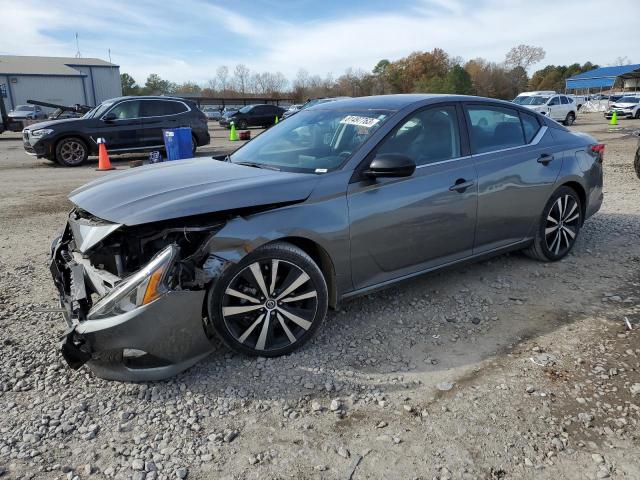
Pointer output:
614, 119
233, 135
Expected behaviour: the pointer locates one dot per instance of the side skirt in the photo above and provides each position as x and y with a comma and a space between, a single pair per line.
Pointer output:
472, 259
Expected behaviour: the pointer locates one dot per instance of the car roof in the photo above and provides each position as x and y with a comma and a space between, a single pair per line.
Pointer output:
398, 101
146, 97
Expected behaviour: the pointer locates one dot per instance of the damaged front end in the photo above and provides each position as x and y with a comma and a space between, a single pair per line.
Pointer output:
133, 297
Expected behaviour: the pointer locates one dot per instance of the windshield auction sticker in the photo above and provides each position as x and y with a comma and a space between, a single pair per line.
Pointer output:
367, 122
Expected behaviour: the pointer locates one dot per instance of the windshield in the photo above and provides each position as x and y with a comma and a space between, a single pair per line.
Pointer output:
312, 141
24, 108
97, 112
629, 100
534, 100
246, 109
520, 99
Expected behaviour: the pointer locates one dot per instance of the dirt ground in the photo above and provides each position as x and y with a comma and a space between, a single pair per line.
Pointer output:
504, 369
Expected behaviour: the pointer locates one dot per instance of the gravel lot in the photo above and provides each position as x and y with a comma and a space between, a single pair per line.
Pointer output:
506, 368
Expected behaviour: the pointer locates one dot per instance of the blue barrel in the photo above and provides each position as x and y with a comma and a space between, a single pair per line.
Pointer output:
177, 142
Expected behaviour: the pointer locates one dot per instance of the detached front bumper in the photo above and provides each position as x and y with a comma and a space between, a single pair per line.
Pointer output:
152, 342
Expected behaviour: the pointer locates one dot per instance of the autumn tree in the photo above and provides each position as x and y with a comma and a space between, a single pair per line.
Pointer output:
524, 56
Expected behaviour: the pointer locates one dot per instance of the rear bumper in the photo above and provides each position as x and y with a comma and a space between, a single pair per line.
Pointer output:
151, 342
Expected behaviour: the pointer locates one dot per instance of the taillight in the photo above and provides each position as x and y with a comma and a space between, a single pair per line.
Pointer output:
598, 150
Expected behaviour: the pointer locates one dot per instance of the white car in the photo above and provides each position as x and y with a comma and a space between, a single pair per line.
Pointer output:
524, 96
627, 106
560, 108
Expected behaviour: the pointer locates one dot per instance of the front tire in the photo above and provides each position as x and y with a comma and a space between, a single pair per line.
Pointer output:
558, 227
270, 303
71, 152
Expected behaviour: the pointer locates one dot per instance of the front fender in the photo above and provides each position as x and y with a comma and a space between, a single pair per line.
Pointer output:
322, 220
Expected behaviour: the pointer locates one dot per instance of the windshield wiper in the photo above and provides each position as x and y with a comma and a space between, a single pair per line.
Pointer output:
258, 165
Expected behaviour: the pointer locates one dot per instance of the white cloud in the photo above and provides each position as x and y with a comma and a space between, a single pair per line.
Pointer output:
185, 40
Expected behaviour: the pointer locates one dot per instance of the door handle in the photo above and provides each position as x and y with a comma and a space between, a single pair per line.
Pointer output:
461, 185
545, 158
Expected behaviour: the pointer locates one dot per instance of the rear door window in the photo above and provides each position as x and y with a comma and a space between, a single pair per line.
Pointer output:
564, 100
158, 108
493, 128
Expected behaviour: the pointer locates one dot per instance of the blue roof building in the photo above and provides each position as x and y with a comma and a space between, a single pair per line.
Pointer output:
605, 78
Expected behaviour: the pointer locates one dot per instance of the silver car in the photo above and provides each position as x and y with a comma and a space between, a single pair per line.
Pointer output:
342, 199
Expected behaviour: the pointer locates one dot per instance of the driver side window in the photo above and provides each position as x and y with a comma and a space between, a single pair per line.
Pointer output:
426, 137
126, 110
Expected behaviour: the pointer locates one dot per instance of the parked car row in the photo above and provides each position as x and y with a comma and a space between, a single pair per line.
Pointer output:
339, 200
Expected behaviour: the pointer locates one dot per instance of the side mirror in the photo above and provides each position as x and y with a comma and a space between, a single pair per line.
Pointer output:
391, 165
109, 117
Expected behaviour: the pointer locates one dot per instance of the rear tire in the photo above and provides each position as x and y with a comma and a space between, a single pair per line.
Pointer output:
269, 304
568, 121
194, 145
636, 162
558, 227
242, 125
71, 152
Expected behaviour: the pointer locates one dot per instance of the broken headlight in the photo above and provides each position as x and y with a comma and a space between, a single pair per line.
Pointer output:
139, 289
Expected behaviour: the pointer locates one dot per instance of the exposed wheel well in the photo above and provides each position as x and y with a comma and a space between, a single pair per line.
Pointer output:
322, 259
581, 193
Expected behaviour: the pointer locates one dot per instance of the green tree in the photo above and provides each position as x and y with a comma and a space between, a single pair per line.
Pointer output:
157, 86
129, 85
458, 81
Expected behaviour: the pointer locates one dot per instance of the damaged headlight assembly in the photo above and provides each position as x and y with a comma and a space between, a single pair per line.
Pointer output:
141, 288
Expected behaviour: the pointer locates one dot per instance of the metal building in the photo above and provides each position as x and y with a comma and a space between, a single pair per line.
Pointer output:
61, 80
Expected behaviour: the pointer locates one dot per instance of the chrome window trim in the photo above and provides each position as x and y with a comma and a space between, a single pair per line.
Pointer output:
449, 160
146, 100
533, 142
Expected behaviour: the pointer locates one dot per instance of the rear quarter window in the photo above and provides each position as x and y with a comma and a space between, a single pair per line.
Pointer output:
530, 125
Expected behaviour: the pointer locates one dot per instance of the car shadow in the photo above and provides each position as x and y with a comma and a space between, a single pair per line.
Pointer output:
434, 328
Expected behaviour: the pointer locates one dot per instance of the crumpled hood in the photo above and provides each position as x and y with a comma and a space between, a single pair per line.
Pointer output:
187, 187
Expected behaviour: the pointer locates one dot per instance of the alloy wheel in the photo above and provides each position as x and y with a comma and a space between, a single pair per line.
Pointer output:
269, 305
563, 222
72, 152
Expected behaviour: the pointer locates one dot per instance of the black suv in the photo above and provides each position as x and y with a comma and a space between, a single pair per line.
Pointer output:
127, 124
261, 115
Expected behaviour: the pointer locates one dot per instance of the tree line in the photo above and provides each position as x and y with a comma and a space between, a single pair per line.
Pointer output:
433, 71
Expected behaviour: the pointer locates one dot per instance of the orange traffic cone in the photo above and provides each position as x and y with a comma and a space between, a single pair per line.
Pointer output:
103, 157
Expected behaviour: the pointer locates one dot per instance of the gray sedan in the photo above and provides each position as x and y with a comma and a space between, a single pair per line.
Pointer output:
339, 200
